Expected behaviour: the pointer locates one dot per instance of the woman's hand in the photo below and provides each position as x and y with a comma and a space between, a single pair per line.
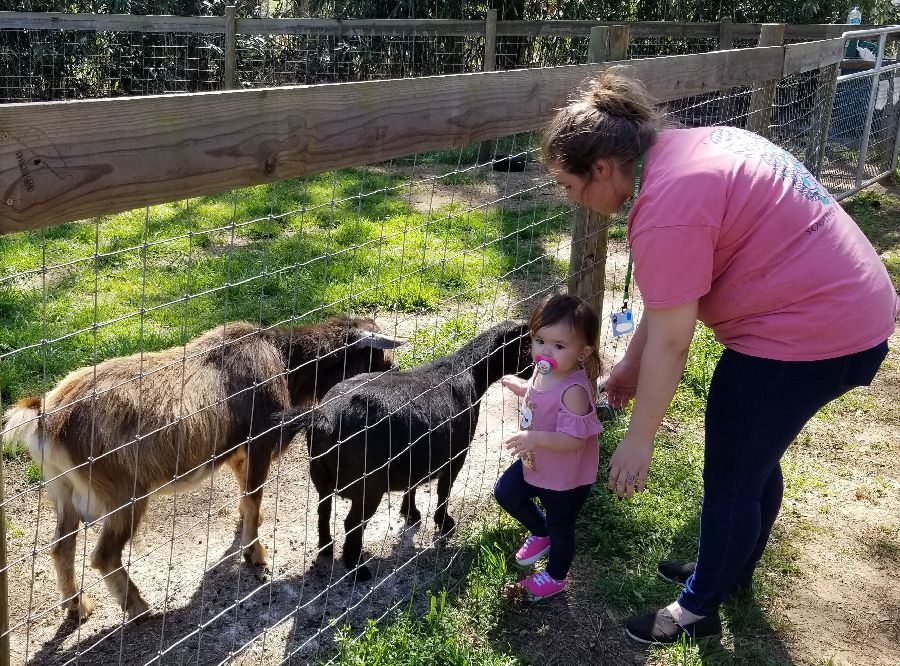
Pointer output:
629, 465
522, 442
514, 384
621, 385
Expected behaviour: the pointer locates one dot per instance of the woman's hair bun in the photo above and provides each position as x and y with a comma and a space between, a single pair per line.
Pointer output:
617, 95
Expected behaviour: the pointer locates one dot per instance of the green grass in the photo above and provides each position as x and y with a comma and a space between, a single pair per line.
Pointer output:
452, 630
323, 245
876, 214
33, 473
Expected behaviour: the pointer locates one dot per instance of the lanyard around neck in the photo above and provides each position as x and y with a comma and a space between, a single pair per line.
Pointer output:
638, 172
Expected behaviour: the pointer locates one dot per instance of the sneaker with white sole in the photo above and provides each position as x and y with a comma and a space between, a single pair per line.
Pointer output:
534, 548
541, 585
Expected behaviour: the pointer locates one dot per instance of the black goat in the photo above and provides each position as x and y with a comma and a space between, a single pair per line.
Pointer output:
375, 433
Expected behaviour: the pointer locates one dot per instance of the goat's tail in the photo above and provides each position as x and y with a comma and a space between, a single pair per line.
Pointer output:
293, 421
21, 424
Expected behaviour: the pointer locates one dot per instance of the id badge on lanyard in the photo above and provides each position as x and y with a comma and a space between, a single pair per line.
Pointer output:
622, 320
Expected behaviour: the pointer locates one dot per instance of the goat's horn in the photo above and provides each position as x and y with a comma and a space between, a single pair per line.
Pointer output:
379, 341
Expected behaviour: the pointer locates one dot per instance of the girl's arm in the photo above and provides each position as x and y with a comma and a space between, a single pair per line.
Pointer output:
528, 440
668, 337
576, 400
515, 384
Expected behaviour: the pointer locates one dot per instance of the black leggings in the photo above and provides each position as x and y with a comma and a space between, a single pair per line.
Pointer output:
516, 496
756, 408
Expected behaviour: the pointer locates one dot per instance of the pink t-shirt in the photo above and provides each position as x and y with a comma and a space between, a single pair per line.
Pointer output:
780, 270
545, 411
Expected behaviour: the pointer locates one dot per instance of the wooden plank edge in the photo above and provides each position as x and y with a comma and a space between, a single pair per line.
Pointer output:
64, 161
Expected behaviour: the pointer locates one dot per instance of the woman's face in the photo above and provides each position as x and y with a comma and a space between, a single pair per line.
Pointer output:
604, 189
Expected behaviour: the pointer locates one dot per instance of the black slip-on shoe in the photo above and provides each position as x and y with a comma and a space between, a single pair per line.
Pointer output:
675, 571
678, 572
661, 627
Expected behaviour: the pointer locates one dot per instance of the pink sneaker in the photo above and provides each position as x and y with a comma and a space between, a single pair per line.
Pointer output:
532, 550
541, 586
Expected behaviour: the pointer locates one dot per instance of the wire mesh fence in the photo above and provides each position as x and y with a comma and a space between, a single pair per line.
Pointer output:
174, 418
864, 127
275, 60
55, 65
86, 56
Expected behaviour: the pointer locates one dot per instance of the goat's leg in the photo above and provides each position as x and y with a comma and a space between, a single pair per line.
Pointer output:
237, 461
446, 478
259, 459
325, 487
361, 510
408, 507
118, 528
63, 551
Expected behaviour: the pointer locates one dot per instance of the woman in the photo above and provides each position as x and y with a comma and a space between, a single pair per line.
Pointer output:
729, 229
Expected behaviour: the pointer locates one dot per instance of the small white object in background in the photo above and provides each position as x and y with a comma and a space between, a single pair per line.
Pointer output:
865, 54
883, 92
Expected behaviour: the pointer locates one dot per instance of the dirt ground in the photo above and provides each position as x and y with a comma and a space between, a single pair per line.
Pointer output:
188, 571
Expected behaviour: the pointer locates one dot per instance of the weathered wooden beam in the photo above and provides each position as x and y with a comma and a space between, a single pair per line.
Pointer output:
808, 56
113, 22
63, 161
762, 99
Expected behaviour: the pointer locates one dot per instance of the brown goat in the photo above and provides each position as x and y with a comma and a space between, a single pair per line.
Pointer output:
108, 436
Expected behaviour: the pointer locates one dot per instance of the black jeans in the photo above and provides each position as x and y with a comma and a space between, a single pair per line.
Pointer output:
516, 496
756, 408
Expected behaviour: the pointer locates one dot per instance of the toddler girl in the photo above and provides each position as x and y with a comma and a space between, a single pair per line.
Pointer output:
558, 439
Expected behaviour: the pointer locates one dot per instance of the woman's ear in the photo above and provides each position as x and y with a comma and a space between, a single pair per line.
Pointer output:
602, 168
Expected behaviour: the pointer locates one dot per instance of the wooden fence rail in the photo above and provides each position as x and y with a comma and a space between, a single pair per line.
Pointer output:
63, 161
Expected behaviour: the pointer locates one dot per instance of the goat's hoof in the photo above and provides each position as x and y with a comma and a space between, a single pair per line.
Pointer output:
326, 549
137, 608
445, 526
362, 574
412, 517
256, 554
80, 608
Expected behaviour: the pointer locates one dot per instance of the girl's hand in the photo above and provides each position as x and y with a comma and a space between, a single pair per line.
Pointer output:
522, 442
621, 385
514, 384
628, 467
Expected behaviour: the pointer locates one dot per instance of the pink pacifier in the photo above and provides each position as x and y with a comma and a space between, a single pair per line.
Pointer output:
544, 365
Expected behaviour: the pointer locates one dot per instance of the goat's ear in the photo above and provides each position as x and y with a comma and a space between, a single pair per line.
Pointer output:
379, 341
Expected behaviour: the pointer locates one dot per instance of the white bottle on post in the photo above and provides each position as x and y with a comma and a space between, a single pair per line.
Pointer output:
853, 18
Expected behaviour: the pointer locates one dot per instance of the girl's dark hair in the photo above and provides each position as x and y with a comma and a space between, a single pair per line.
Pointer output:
615, 118
580, 316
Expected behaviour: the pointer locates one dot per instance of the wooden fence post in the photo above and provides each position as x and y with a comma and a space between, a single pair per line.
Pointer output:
230, 82
762, 100
815, 152
726, 41
486, 148
590, 231
726, 34
619, 41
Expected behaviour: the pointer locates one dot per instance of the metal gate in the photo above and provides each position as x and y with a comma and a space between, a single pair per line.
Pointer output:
864, 129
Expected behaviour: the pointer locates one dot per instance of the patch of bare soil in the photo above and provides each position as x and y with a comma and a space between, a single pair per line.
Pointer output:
846, 605
433, 187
